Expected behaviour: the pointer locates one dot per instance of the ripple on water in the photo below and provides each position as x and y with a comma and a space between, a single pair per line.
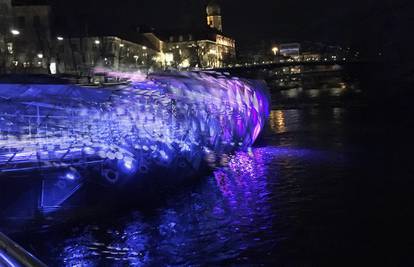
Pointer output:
250, 206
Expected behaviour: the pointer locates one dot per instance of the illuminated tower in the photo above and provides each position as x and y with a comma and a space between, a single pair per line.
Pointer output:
214, 15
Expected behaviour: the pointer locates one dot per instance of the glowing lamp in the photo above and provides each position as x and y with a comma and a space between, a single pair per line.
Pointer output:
14, 32
70, 176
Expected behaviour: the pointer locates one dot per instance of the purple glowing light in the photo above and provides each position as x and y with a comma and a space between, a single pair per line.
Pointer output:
159, 119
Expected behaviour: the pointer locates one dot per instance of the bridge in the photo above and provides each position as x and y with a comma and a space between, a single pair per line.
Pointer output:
272, 65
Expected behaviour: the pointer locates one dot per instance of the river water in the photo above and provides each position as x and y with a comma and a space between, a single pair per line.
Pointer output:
324, 186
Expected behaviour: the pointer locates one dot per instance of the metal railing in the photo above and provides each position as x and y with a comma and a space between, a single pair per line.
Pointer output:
13, 255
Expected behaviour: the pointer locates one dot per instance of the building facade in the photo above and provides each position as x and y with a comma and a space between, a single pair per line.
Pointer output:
27, 45
5, 34
25, 41
205, 48
200, 50
32, 46
81, 55
290, 50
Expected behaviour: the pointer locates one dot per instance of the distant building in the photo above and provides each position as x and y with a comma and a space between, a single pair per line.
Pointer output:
310, 56
25, 43
289, 49
32, 47
5, 34
80, 55
202, 49
206, 48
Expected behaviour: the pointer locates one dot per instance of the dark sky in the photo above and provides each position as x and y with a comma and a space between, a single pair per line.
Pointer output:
366, 24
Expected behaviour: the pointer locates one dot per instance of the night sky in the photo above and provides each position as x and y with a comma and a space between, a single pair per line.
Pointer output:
370, 25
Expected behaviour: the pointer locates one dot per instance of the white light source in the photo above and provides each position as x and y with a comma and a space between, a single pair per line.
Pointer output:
275, 50
121, 45
97, 42
128, 164
144, 47
185, 63
52, 67
70, 176
40, 55
59, 38
169, 58
14, 32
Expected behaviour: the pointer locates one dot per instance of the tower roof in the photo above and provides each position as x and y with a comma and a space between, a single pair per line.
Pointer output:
213, 8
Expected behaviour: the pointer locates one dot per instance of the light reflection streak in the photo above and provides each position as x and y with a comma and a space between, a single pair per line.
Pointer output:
277, 121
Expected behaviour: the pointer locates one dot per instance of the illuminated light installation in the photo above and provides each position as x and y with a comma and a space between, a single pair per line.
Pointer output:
167, 120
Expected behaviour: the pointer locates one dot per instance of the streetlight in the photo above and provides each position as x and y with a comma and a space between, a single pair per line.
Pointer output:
14, 32
136, 60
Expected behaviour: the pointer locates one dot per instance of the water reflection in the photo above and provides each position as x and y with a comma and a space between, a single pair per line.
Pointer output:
229, 214
292, 93
94, 245
211, 220
277, 121
282, 121
313, 93
312, 86
76, 251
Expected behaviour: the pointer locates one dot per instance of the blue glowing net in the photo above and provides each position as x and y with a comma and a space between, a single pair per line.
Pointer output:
161, 120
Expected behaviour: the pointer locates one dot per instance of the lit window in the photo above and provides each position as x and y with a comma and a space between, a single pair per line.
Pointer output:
10, 48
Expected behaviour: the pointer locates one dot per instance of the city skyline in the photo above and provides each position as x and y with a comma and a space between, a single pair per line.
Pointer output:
348, 23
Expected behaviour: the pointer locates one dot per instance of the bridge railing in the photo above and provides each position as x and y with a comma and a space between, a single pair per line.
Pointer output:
13, 255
